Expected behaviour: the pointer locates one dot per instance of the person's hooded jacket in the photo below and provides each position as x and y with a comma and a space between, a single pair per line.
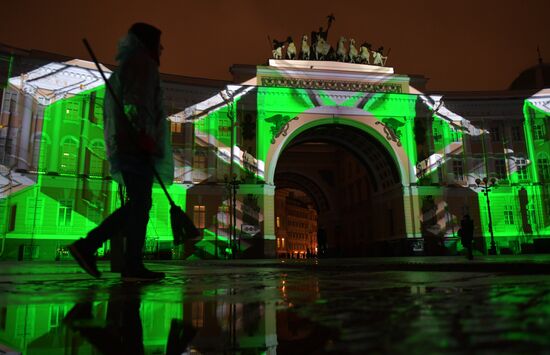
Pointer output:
141, 136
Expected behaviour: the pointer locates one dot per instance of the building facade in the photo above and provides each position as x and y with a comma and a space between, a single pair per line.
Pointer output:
390, 169
295, 226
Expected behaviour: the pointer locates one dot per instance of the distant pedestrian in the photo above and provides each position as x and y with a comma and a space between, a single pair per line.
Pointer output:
136, 140
321, 242
466, 234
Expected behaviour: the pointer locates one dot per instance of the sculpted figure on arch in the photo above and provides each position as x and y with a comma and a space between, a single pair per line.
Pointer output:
305, 49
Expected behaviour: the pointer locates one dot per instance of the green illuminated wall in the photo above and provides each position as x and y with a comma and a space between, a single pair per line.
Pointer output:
73, 191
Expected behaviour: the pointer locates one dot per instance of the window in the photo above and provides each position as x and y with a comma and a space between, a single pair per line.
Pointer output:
10, 99
65, 212
13, 214
197, 314
5, 150
69, 152
521, 168
91, 109
97, 110
539, 131
458, 170
278, 222
56, 315
97, 156
199, 216
224, 128
508, 215
72, 109
517, 133
199, 162
544, 169
200, 128
456, 136
495, 134
500, 168
176, 127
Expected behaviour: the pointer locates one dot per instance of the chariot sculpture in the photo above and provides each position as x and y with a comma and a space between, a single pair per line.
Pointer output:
321, 49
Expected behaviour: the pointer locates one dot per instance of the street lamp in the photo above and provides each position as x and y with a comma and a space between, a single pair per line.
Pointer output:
231, 182
232, 185
486, 185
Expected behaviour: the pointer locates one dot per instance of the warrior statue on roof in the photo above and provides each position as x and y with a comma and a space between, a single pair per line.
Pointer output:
315, 35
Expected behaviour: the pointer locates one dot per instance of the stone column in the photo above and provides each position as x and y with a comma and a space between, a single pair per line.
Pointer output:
263, 245
411, 203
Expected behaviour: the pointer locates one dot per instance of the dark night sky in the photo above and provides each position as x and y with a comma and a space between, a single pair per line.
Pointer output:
459, 45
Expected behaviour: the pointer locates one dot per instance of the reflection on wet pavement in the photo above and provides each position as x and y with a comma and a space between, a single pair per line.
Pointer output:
270, 310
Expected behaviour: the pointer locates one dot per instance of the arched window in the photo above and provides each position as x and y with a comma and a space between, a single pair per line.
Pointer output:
69, 156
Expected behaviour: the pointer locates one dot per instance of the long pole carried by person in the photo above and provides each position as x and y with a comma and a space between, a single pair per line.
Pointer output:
182, 226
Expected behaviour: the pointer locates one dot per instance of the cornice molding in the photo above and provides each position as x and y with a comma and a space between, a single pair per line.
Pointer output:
337, 85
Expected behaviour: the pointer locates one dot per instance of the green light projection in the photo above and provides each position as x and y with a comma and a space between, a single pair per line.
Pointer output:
520, 203
71, 192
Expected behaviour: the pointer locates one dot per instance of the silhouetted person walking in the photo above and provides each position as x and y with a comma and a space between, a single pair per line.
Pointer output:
321, 242
135, 141
466, 234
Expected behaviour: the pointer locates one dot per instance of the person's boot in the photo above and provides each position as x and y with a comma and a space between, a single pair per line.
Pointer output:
141, 273
85, 257
134, 270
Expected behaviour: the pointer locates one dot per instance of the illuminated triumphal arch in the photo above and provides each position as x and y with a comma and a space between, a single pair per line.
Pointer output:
368, 110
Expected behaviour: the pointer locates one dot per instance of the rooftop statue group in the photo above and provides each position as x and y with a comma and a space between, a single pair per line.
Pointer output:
320, 49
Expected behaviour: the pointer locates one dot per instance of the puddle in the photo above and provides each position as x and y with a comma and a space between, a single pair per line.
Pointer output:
269, 311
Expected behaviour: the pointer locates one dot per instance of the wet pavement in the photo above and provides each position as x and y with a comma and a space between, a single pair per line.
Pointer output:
254, 307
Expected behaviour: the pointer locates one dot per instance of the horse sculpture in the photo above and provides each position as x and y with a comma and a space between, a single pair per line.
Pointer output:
290, 48
277, 49
364, 54
341, 52
352, 51
305, 48
322, 48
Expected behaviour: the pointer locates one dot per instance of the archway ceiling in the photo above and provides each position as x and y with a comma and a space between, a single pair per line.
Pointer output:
381, 168
300, 182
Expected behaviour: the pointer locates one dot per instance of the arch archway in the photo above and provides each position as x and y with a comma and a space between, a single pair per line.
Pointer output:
365, 203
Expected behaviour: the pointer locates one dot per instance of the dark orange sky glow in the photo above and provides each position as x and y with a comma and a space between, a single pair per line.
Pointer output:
458, 45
